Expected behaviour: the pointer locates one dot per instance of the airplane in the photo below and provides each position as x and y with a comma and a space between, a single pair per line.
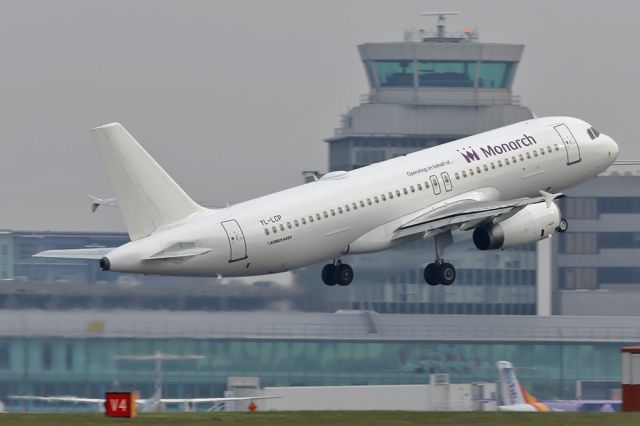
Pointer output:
156, 402
97, 202
502, 184
516, 398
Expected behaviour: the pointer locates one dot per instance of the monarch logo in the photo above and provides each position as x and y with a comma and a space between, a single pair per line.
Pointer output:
470, 154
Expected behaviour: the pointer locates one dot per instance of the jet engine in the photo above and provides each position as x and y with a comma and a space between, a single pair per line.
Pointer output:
533, 223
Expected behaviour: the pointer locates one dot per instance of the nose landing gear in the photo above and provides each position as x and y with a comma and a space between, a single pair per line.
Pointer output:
440, 272
337, 273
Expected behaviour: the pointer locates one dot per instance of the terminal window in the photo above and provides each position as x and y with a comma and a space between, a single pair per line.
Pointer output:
446, 74
495, 75
395, 73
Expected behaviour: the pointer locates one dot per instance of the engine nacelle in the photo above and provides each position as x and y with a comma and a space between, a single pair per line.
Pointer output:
533, 223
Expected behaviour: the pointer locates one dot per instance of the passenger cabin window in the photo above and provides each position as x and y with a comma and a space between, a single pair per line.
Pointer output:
355, 206
296, 223
289, 225
318, 216
499, 163
457, 175
513, 159
310, 218
478, 169
391, 195
369, 201
266, 231
333, 212
347, 208
304, 222
325, 214
340, 210
383, 197
549, 150
281, 227
274, 229
486, 168
471, 172
419, 187
412, 188
535, 153
521, 157
426, 185
362, 203
528, 155
404, 191
464, 174
506, 161
376, 199
493, 166
398, 192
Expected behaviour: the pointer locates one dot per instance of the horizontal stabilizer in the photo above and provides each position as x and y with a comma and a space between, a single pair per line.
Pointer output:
179, 250
86, 253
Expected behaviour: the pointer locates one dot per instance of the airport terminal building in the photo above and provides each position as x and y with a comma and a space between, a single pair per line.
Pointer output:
74, 352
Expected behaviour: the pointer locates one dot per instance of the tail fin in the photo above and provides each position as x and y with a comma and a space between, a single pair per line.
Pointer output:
148, 197
510, 388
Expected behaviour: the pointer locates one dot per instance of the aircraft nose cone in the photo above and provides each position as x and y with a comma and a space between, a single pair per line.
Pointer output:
614, 148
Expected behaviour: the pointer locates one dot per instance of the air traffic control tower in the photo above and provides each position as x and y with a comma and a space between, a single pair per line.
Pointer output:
427, 90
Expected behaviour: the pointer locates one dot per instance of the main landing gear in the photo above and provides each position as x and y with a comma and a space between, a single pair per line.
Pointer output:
440, 272
337, 273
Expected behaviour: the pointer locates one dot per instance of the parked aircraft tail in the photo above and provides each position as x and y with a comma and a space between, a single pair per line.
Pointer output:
148, 197
514, 397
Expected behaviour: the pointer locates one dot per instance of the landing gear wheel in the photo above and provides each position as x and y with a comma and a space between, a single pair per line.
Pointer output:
344, 275
431, 275
330, 274
447, 273
563, 225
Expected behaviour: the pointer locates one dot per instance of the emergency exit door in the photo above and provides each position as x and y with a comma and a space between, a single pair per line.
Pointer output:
237, 244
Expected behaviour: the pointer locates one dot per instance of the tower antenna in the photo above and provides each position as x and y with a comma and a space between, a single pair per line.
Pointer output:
441, 18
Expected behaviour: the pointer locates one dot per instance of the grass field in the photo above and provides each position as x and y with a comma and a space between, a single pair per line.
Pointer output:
324, 418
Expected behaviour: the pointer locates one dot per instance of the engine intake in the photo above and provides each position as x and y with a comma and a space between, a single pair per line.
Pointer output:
533, 223
105, 265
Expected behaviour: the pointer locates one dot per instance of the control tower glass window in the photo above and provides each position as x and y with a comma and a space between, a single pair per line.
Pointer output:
395, 73
495, 75
446, 74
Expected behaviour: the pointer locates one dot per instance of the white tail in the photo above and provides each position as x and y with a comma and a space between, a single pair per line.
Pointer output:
148, 197
510, 388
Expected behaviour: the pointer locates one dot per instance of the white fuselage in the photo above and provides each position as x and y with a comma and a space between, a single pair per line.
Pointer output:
358, 211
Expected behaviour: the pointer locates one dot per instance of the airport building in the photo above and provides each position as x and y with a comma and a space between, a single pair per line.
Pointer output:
596, 263
75, 352
18, 247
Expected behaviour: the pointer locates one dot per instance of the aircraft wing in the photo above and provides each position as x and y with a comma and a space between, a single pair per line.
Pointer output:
85, 253
205, 400
468, 214
73, 399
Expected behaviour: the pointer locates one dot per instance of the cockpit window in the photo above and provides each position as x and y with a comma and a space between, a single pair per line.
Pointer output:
591, 135
595, 132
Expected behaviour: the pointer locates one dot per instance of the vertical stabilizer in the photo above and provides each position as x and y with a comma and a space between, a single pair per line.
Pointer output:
510, 388
148, 197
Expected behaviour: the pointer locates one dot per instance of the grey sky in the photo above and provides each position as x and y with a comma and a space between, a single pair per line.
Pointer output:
234, 97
